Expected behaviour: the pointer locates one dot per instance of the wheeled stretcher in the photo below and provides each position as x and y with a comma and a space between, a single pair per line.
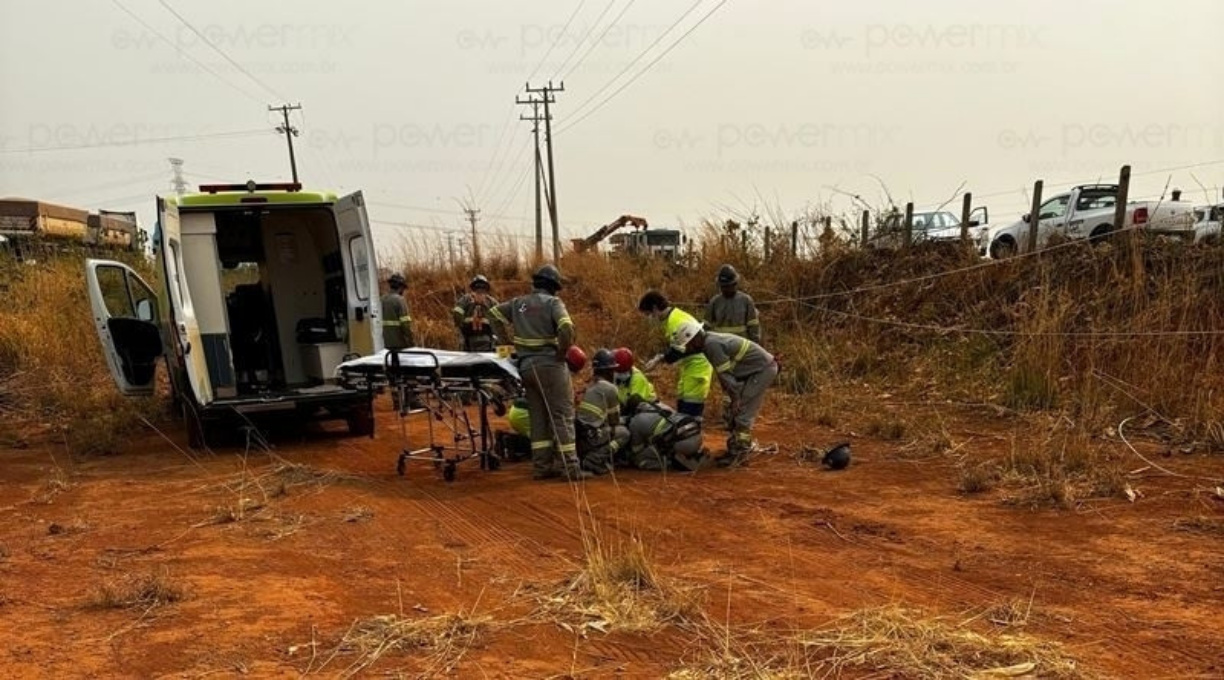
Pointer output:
438, 385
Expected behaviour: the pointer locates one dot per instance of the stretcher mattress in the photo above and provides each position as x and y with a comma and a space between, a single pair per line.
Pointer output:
420, 361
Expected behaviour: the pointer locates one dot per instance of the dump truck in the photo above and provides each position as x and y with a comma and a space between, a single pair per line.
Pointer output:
24, 219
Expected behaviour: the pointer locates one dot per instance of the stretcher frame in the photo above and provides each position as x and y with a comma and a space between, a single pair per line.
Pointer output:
454, 435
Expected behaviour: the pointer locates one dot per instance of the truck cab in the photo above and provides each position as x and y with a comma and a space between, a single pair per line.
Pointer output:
265, 289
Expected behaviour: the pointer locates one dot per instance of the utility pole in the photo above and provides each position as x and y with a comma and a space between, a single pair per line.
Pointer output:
539, 172
290, 132
179, 184
473, 218
546, 98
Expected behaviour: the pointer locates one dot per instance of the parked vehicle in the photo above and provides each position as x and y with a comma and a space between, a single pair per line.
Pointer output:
1085, 212
1204, 229
23, 219
265, 289
938, 225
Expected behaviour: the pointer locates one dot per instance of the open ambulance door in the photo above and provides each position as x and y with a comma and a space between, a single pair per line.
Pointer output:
125, 316
360, 275
184, 328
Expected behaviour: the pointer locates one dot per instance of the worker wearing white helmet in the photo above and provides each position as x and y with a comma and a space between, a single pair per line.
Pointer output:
745, 371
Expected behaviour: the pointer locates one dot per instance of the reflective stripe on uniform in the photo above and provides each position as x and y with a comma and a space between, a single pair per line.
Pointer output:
537, 446
733, 330
496, 314
593, 409
391, 322
563, 322
723, 367
659, 427
754, 322
742, 351
535, 342
568, 448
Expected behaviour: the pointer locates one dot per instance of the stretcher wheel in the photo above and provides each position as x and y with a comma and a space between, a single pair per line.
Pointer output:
399, 465
448, 471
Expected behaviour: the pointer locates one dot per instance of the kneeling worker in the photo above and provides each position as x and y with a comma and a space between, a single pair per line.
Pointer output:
599, 431
630, 380
744, 369
662, 439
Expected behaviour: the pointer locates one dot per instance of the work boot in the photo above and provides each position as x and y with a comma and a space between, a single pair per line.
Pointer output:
574, 471
545, 474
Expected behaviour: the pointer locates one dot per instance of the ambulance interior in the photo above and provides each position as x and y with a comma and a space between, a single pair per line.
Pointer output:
269, 293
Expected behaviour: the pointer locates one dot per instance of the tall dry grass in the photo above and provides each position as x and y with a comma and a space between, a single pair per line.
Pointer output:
53, 377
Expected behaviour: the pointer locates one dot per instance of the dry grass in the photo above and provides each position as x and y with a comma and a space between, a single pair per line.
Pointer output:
440, 641
1202, 524
137, 591
620, 588
978, 478
891, 642
1063, 469
358, 513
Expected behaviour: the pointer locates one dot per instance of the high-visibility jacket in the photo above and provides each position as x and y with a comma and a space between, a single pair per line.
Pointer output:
396, 321
693, 384
472, 320
636, 384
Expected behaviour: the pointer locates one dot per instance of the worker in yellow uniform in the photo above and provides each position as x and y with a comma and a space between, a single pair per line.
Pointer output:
693, 385
631, 382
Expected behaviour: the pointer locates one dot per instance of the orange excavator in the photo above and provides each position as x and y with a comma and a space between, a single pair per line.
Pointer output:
584, 244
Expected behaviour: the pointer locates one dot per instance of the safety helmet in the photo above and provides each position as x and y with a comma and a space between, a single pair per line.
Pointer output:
547, 277
397, 280
623, 356
685, 333
727, 276
838, 457
575, 358
480, 281
603, 360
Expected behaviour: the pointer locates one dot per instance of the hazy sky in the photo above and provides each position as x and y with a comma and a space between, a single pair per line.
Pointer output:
766, 104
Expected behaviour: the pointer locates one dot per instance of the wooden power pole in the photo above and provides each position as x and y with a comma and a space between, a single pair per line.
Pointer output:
290, 132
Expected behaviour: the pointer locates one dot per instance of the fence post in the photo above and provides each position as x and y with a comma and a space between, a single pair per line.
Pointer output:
1035, 215
1119, 219
866, 226
795, 238
768, 242
907, 236
966, 209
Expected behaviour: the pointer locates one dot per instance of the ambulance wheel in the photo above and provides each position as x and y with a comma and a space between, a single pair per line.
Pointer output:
448, 472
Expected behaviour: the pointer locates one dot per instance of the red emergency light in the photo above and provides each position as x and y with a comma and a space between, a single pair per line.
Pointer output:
251, 186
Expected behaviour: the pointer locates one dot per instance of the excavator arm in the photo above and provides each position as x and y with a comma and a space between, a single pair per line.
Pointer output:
585, 244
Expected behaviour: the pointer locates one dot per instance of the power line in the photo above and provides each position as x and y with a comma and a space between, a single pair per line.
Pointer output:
556, 40
137, 142
219, 51
639, 74
641, 55
578, 45
184, 53
591, 47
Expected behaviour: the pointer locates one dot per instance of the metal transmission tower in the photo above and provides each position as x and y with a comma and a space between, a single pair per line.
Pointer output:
539, 171
473, 215
545, 96
290, 132
177, 182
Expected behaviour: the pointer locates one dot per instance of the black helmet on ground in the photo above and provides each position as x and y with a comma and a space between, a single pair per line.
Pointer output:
547, 277
727, 276
838, 457
603, 360
479, 282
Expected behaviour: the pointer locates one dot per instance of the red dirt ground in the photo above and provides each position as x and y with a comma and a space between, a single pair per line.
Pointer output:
779, 544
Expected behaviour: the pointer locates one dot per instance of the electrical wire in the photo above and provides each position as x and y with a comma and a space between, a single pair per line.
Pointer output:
648, 66
591, 47
556, 40
185, 54
138, 141
219, 51
578, 44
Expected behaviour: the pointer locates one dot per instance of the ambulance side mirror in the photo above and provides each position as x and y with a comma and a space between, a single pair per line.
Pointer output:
144, 310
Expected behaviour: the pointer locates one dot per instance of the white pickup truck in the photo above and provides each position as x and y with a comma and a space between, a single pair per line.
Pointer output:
1085, 212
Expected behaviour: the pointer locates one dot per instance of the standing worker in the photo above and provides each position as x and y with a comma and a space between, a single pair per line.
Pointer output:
693, 385
745, 370
732, 310
600, 433
470, 314
397, 328
396, 318
543, 333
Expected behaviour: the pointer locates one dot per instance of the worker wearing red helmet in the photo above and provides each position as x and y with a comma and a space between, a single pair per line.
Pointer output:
631, 383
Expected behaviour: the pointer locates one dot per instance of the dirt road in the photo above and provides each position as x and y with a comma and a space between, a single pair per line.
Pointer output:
276, 563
